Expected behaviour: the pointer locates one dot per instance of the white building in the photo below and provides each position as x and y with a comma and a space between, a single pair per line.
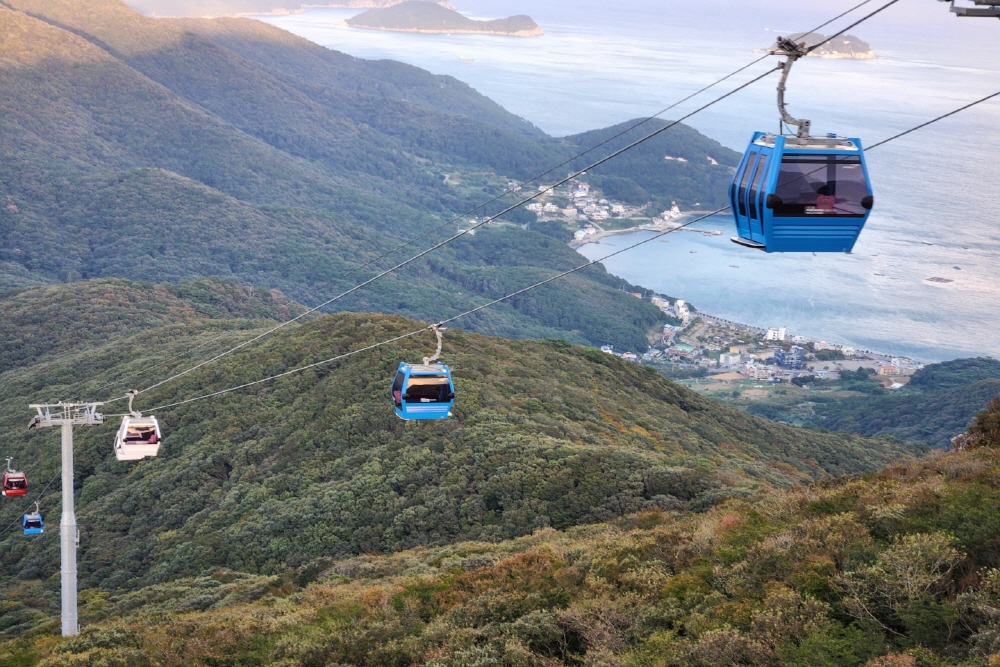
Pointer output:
848, 351
775, 333
618, 209
550, 208
672, 214
730, 359
682, 311
535, 207
608, 349
759, 372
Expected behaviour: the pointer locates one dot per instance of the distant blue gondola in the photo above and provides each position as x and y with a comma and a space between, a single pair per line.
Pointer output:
794, 194
32, 522
800, 193
423, 391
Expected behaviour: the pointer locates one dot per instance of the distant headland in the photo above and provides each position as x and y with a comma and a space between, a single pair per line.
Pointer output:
218, 8
844, 46
429, 17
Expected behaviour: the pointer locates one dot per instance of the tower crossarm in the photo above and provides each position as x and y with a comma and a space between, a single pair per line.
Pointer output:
57, 414
982, 8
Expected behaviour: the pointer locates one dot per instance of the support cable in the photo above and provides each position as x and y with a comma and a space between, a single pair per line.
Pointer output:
495, 199
464, 232
853, 25
521, 291
440, 324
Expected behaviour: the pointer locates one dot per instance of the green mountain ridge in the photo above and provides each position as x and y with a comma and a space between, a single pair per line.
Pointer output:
317, 465
172, 150
893, 569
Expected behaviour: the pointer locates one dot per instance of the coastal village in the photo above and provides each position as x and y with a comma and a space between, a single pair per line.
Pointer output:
707, 353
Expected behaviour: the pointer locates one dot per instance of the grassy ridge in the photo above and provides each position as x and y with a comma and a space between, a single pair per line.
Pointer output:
316, 464
895, 569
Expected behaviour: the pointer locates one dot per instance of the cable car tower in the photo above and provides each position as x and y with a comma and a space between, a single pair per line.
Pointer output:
983, 8
66, 416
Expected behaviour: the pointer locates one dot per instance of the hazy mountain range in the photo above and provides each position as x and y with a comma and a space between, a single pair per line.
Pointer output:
217, 8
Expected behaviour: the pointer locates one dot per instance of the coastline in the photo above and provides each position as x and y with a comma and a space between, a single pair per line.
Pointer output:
536, 32
651, 227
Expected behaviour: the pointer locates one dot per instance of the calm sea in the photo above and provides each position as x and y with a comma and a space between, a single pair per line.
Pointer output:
937, 190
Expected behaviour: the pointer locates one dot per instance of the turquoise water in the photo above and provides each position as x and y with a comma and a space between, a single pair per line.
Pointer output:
937, 193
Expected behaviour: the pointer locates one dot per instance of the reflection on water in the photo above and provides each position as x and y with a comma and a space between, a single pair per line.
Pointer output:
936, 191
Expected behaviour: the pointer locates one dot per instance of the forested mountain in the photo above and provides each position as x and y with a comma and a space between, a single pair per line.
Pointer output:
940, 402
317, 465
202, 8
166, 151
893, 569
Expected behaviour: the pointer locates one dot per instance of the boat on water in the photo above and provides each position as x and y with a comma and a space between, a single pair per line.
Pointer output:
467, 59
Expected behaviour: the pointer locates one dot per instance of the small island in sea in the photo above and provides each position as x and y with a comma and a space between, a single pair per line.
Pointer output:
429, 17
844, 46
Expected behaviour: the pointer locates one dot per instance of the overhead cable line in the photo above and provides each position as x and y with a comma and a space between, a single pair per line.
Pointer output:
162, 363
462, 233
853, 25
931, 122
495, 199
439, 324
521, 291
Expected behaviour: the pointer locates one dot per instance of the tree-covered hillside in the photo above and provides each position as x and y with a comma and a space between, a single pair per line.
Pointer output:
172, 150
893, 569
316, 464
940, 402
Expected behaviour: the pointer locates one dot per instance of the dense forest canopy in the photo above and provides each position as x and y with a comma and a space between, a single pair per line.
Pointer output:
894, 569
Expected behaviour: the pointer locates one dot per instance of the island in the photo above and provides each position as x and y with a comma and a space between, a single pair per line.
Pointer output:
429, 17
844, 46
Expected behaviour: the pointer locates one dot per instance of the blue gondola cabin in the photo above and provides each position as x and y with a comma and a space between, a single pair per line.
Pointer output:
793, 194
32, 523
423, 391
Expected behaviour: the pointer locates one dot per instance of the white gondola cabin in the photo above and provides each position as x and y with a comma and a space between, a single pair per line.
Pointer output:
138, 437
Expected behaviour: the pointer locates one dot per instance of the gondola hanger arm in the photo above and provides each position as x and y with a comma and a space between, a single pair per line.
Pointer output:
792, 51
440, 342
131, 397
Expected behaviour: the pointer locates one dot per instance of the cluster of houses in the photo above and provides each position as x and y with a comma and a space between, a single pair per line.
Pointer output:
584, 206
